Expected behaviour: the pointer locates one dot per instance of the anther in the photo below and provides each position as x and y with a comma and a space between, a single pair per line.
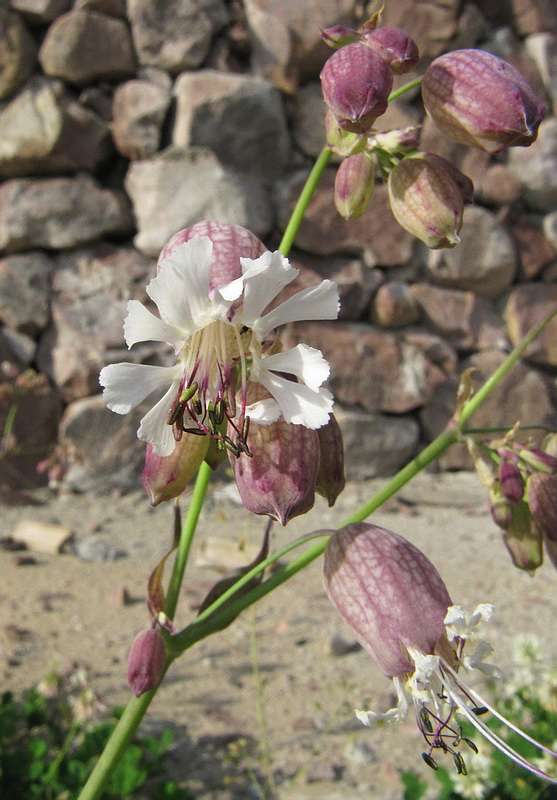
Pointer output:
188, 393
431, 762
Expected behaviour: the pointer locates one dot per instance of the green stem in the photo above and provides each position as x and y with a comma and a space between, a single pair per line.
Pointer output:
303, 201
186, 538
55, 766
116, 746
403, 89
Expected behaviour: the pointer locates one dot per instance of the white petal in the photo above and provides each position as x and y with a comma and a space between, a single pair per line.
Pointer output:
154, 427
181, 289
263, 412
315, 302
264, 278
399, 713
126, 385
303, 361
299, 404
141, 325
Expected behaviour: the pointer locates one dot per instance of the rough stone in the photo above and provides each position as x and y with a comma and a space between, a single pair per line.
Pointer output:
108, 453
43, 130
527, 305
41, 11
375, 235
18, 53
139, 110
431, 24
308, 119
550, 228
542, 48
59, 213
535, 251
394, 306
16, 348
82, 47
536, 166
371, 368
176, 35
378, 445
213, 109
114, 8
468, 322
485, 260
25, 291
531, 16
286, 45
498, 186
177, 188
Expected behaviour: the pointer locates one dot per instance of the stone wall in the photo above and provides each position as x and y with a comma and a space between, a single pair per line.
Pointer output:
120, 124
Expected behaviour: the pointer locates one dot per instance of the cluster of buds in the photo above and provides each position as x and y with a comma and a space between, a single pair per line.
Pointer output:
522, 485
472, 96
399, 609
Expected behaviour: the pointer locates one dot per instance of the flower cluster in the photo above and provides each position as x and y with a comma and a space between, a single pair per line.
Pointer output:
522, 485
231, 382
472, 96
396, 603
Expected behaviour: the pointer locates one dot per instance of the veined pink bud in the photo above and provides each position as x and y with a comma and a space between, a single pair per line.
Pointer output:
481, 100
166, 477
511, 480
389, 593
339, 35
230, 243
356, 84
279, 477
330, 476
542, 501
343, 143
428, 200
354, 184
394, 45
146, 661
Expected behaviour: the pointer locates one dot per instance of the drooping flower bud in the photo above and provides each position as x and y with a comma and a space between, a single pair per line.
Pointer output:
510, 478
480, 100
146, 661
388, 591
523, 539
339, 35
500, 508
354, 184
330, 476
394, 45
166, 477
277, 477
427, 199
356, 84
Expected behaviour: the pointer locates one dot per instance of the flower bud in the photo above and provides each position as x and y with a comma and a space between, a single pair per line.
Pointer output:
522, 539
538, 459
330, 476
427, 199
146, 661
484, 463
542, 501
481, 100
511, 480
398, 141
395, 46
343, 143
389, 593
166, 477
500, 508
356, 84
354, 184
339, 35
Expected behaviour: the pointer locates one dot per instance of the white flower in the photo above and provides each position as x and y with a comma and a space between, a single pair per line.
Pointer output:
437, 692
221, 338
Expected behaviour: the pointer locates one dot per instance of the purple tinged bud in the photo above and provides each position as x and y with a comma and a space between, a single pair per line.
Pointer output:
523, 539
354, 184
339, 35
146, 661
500, 508
166, 477
394, 45
356, 85
330, 476
542, 501
427, 197
511, 481
538, 459
482, 101
388, 592
397, 141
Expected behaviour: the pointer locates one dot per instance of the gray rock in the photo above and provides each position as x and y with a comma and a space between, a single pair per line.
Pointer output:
114, 8
527, 305
86, 271
82, 47
542, 48
138, 110
394, 306
536, 166
16, 348
177, 34
378, 445
25, 291
108, 453
43, 130
93, 549
18, 53
308, 119
41, 11
485, 260
239, 117
179, 187
531, 16
550, 228
59, 213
